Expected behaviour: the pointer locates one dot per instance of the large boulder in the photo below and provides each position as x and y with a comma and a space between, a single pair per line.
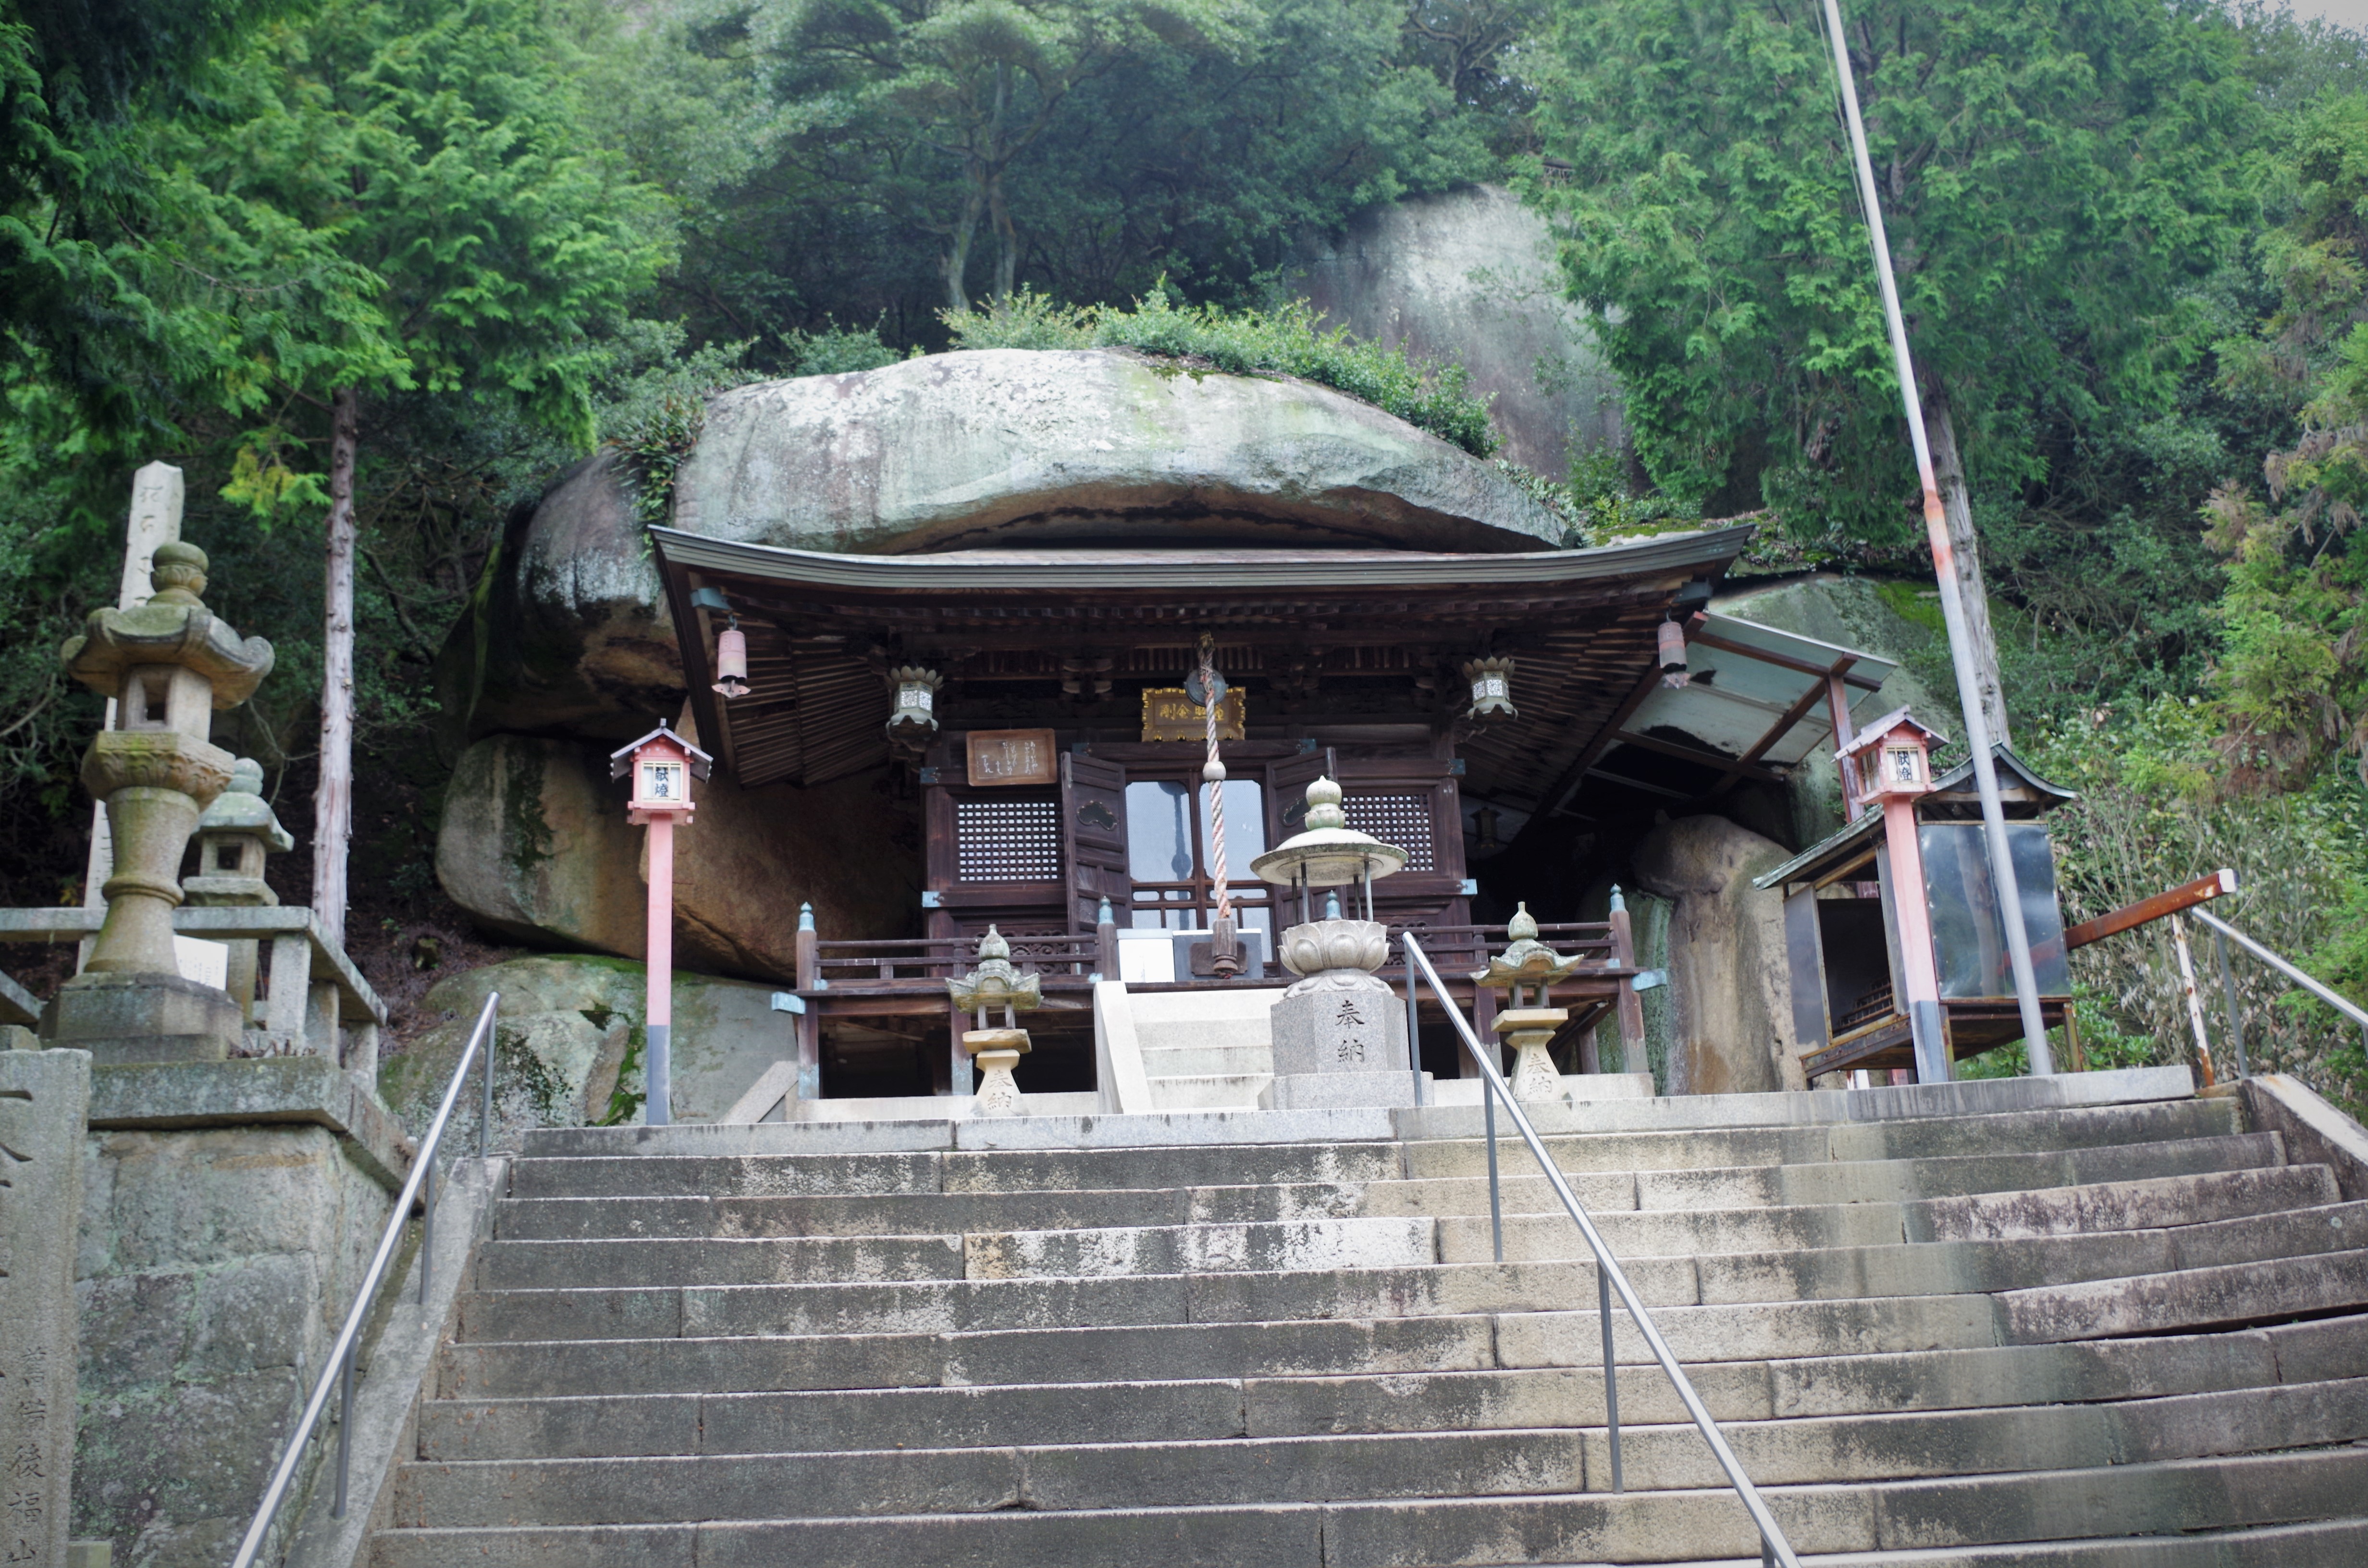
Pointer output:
1470, 274
1730, 995
535, 844
948, 452
569, 1035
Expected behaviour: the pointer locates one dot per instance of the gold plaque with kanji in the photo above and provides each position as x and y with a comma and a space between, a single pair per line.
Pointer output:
1168, 714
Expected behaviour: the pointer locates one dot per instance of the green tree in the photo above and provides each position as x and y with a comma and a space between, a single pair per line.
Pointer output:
2058, 176
971, 84
439, 151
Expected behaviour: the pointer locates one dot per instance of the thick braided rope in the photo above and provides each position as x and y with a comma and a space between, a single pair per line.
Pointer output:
1214, 775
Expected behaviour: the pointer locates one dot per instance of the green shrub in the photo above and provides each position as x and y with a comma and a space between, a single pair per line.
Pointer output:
1286, 341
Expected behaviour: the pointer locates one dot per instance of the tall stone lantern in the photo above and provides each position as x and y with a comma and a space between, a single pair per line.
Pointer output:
170, 664
1339, 1032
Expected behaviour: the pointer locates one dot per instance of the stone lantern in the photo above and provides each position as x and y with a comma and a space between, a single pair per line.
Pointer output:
996, 983
1528, 964
1339, 1032
234, 837
169, 663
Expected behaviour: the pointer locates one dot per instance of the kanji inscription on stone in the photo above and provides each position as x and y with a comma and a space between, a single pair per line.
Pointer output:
44, 1098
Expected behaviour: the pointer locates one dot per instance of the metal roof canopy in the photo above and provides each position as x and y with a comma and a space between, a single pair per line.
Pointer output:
1757, 699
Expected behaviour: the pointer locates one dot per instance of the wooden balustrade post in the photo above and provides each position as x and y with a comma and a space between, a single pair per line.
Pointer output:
1631, 1006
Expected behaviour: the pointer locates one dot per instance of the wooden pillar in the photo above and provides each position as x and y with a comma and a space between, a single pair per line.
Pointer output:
1632, 1057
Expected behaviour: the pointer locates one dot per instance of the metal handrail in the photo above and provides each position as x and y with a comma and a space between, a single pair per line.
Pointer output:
1609, 1276
339, 1370
2220, 928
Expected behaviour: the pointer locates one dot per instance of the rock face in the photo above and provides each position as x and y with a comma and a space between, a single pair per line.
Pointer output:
1470, 274
534, 843
569, 1034
1730, 983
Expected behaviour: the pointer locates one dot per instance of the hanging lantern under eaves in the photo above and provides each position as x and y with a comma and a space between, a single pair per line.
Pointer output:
732, 661
1673, 656
1492, 688
915, 717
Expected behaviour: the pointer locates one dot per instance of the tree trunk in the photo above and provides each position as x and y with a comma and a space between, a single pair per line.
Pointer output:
333, 798
958, 248
1006, 240
1964, 545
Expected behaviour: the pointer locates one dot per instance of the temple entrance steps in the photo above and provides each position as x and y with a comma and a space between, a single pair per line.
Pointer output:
2105, 1336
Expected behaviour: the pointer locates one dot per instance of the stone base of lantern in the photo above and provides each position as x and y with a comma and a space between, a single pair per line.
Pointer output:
1527, 1030
142, 1018
1337, 1091
997, 1053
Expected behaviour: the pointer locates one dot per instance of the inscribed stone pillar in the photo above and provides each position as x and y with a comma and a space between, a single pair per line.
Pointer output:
44, 1097
1339, 1032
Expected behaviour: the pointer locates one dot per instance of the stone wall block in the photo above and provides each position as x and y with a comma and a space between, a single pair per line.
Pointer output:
44, 1098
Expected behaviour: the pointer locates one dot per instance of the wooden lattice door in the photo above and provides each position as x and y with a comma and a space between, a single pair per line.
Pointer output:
1093, 839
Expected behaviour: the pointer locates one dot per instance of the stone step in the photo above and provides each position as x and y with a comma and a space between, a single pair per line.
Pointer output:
2169, 1200
1204, 1056
761, 1161
974, 1480
910, 1479
1477, 1341
504, 1264
1896, 1178
1031, 1170
605, 1425
2256, 1291
1236, 1091
977, 1305
2172, 1497
2336, 1544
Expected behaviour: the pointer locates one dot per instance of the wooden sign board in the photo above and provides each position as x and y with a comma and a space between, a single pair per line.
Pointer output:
1169, 715
1011, 756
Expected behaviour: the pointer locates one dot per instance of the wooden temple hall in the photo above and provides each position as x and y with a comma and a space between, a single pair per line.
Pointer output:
1512, 720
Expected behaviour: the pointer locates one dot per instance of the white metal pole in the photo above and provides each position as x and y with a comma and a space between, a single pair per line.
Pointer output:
1953, 608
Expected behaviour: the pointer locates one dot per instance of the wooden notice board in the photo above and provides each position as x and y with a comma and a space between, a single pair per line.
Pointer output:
1011, 756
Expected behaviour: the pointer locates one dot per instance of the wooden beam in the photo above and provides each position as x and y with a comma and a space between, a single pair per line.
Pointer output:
1786, 660
1558, 794
1729, 766
2202, 889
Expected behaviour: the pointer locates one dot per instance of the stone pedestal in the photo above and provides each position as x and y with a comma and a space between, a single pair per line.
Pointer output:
142, 1018
997, 1053
1339, 1034
1528, 1030
44, 1095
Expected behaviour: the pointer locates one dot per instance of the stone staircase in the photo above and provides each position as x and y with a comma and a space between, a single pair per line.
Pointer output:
2120, 1336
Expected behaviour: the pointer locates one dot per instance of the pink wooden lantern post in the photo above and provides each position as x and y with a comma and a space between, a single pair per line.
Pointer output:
1893, 759
662, 765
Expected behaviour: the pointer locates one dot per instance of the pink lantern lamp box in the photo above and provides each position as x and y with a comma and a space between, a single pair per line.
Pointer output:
662, 765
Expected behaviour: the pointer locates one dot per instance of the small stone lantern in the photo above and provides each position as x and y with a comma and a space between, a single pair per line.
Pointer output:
170, 664
1339, 1032
1528, 964
996, 983
234, 837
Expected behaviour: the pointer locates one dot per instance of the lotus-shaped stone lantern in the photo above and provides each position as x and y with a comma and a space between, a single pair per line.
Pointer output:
996, 983
1328, 853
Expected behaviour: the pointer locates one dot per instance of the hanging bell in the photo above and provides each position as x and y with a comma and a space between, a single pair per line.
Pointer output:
1673, 656
732, 661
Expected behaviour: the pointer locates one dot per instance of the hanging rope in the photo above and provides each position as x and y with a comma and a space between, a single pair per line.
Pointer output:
1213, 774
